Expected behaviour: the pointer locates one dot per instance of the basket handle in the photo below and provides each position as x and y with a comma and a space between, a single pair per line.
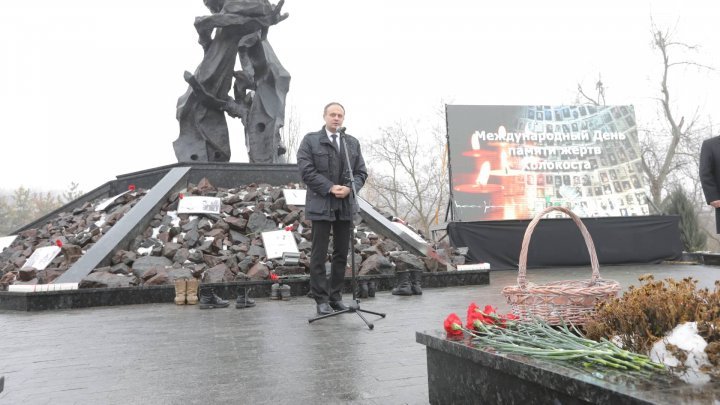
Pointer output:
522, 265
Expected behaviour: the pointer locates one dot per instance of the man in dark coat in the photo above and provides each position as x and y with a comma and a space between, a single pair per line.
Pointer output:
328, 202
710, 175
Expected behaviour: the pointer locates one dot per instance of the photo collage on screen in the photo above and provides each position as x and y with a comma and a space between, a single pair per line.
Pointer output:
608, 181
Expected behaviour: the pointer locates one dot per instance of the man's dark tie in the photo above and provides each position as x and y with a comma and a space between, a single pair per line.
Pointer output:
334, 137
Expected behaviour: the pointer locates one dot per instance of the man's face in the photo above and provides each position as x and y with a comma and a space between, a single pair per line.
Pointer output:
334, 117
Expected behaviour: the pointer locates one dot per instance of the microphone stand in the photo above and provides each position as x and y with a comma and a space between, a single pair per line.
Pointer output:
354, 306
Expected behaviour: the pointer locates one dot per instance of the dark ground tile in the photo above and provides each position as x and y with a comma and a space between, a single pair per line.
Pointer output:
168, 354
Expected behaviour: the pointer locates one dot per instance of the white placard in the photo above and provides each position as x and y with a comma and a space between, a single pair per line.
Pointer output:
278, 242
199, 205
41, 257
294, 196
42, 287
6, 241
107, 202
404, 229
476, 266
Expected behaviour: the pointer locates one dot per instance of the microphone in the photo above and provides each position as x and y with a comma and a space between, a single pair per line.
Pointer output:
341, 130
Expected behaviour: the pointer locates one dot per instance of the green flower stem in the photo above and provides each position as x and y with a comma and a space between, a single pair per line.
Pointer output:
540, 340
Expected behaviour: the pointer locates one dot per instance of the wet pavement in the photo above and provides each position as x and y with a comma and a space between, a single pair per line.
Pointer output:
168, 354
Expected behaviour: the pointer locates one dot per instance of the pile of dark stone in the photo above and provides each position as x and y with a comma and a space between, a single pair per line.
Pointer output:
215, 248
228, 247
75, 232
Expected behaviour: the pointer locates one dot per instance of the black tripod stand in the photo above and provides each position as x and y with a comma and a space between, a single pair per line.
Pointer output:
355, 304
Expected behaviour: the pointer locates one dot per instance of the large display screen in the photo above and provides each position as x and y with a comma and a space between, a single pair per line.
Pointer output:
510, 162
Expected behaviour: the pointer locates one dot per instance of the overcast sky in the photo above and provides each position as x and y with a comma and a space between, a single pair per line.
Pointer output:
88, 88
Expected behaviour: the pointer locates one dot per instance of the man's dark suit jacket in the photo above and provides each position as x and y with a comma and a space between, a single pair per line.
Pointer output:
710, 173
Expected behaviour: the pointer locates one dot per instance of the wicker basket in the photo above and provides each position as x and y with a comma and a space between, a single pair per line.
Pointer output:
559, 301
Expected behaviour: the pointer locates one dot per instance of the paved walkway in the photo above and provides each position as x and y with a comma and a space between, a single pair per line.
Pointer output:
270, 354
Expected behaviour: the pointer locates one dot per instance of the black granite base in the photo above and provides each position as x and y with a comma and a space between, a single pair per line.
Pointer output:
692, 257
94, 297
711, 259
484, 385
458, 373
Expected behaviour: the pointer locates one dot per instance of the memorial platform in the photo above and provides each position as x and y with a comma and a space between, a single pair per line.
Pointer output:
167, 354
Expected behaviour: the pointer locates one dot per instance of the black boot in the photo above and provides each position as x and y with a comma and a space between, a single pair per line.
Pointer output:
208, 299
243, 301
415, 277
372, 286
403, 284
363, 289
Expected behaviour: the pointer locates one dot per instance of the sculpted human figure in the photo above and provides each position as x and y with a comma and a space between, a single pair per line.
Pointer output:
240, 28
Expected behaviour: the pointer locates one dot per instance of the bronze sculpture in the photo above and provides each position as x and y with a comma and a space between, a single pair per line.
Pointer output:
240, 28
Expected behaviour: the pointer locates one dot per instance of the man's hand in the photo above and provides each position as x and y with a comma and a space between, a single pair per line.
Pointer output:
342, 191
715, 204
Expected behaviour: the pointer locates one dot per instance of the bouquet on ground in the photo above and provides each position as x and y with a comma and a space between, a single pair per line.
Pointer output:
536, 338
475, 317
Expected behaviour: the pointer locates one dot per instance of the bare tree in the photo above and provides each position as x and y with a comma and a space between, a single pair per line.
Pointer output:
25, 206
73, 192
291, 136
668, 152
406, 174
599, 88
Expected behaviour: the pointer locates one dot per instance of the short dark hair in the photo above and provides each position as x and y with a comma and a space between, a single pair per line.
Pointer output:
332, 104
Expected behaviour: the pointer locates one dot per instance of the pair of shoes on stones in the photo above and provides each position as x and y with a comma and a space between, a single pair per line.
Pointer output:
186, 291
243, 300
408, 283
210, 300
280, 292
372, 287
275, 291
366, 289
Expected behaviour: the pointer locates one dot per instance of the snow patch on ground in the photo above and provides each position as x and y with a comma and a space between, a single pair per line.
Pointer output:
686, 338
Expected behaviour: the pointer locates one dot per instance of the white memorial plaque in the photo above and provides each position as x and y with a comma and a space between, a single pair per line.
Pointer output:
41, 257
404, 229
278, 242
476, 266
199, 205
6, 241
42, 287
294, 196
107, 202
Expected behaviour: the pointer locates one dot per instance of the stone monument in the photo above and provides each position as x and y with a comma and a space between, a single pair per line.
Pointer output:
240, 31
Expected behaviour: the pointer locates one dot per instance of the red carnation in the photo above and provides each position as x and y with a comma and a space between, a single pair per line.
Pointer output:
472, 308
453, 325
131, 187
181, 195
490, 315
475, 316
58, 242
